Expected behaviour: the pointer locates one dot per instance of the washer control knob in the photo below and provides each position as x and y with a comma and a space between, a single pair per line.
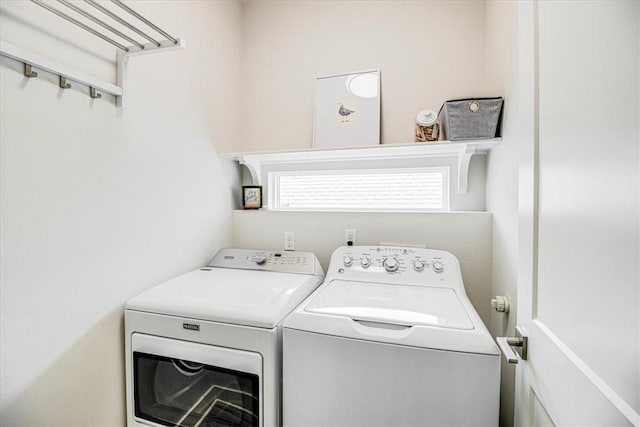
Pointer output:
390, 264
418, 265
365, 262
437, 266
259, 258
347, 260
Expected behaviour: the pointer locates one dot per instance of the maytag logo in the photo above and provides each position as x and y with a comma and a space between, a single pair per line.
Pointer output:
191, 326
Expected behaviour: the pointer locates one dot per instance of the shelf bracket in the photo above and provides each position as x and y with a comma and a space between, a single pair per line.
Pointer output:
254, 166
464, 161
122, 63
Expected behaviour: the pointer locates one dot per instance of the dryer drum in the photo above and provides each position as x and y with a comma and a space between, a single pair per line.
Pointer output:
186, 367
175, 392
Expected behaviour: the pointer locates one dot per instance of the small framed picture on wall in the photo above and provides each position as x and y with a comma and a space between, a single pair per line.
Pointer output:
251, 196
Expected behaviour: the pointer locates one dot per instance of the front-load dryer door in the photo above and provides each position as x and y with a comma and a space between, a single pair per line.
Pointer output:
178, 383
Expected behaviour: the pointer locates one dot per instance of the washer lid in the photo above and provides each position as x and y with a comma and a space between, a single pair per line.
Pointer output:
392, 304
242, 297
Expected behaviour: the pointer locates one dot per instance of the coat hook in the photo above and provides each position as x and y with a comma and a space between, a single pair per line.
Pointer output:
94, 93
63, 83
28, 71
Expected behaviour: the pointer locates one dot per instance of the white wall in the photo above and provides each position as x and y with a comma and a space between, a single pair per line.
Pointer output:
99, 204
467, 235
501, 72
427, 51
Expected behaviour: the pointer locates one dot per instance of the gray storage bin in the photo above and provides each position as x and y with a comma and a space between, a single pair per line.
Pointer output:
472, 118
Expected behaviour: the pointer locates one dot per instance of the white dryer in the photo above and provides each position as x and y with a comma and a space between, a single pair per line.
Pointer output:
204, 349
389, 339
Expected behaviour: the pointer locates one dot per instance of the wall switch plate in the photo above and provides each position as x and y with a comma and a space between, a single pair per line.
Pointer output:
350, 237
289, 241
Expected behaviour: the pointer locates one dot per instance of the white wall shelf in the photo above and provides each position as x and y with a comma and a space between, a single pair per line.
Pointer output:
41, 63
462, 150
34, 62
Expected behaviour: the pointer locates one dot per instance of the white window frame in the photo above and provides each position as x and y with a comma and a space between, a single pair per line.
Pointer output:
274, 188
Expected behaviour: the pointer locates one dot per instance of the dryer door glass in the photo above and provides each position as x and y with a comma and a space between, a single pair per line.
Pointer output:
176, 392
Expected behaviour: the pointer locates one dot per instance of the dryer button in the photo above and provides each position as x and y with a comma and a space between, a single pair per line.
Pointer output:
259, 258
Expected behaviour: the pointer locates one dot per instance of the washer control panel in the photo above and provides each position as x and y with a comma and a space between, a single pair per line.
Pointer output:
378, 262
266, 260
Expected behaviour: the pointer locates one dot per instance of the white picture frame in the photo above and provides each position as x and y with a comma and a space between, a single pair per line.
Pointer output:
347, 110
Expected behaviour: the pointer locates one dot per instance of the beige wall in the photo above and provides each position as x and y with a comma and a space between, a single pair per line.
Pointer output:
427, 51
98, 204
467, 235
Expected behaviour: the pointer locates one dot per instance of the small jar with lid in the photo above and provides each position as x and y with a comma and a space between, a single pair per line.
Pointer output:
427, 129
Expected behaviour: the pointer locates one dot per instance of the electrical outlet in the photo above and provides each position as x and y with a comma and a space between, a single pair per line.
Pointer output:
350, 237
289, 241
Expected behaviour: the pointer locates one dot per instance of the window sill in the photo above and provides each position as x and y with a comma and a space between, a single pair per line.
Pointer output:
396, 153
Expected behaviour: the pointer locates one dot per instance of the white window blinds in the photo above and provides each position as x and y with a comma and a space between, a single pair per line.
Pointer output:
361, 190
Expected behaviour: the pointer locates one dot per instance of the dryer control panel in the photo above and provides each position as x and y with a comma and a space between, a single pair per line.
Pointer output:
267, 260
396, 264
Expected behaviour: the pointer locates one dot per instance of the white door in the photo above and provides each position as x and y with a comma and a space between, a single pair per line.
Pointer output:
578, 279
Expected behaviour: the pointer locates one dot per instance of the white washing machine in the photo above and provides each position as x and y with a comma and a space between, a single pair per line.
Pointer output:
205, 348
389, 339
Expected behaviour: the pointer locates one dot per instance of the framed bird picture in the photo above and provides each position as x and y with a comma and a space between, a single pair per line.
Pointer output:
251, 196
347, 110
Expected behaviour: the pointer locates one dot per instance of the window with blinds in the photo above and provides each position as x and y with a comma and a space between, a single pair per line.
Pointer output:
425, 189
